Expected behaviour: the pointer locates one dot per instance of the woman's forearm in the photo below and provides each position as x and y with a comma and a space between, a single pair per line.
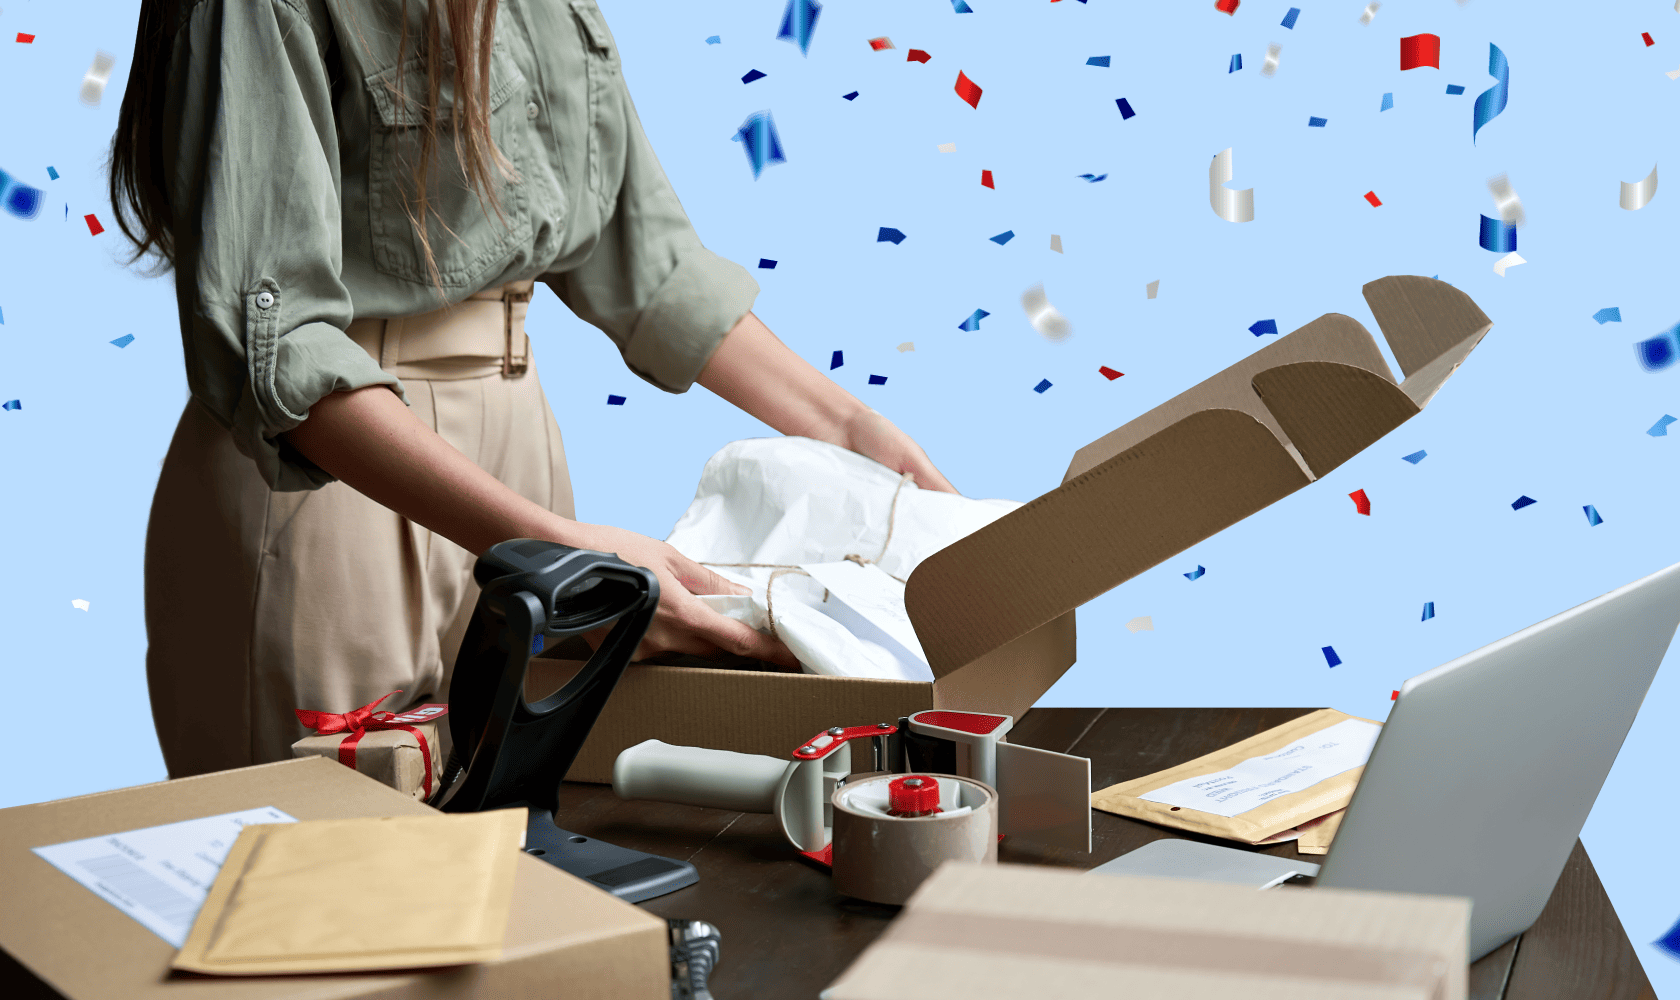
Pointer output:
373, 443
753, 369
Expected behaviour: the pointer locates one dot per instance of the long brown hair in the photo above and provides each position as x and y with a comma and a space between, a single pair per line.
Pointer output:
139, 166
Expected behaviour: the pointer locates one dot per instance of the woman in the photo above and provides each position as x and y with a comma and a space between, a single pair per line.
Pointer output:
338, 256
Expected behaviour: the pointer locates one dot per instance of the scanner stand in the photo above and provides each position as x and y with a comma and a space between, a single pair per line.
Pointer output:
628, 874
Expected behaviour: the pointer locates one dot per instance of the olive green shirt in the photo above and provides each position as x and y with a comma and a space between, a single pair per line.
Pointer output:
290, 158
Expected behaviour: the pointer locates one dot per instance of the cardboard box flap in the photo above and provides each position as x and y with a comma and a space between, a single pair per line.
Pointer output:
1154, 500
1331, 412
1424, 319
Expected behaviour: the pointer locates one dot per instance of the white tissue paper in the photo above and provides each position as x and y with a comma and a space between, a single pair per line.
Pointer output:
800, 502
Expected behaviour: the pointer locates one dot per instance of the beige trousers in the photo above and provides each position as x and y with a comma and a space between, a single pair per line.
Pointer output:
259, 603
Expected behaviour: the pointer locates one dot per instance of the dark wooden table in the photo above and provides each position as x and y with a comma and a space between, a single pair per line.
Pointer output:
787, 933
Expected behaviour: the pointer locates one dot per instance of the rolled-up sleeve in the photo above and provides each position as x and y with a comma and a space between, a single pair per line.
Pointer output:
256, 193
662, 297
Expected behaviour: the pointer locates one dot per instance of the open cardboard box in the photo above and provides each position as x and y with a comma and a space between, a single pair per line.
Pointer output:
995, 610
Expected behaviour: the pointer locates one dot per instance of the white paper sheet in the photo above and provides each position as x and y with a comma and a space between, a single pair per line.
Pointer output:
876, 598
160, 875
1258, 780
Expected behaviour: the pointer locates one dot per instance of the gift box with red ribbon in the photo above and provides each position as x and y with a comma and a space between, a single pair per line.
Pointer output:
405, 751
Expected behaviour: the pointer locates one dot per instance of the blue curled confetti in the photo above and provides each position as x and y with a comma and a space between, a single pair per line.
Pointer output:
1092, 178
798, 21
1660, 428
877, 380
1289, 18
1523, 501
766, 264
1428, 610
1388, 101
1236, 63
1493, 99
1200, 572
1263, 327
615, 400
1097, 61
1611, 314
20, 199
1004, 237
11, 404
758, 135
1415, 457
972, 323
1454, 89
837, 360
1497, 235
1593, 520
1042, 385
889, 235
1660, 351
753, 74
124, 340
1330, 656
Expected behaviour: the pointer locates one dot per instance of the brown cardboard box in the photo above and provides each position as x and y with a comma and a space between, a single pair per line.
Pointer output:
61, 937
1020, 932
392, 757
995, 610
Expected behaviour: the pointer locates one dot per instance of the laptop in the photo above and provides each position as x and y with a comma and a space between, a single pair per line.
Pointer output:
1505, 749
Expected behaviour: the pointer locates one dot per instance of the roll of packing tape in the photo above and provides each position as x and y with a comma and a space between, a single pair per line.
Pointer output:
883, 858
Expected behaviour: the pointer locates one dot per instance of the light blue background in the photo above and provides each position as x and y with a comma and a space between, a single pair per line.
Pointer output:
1551, 405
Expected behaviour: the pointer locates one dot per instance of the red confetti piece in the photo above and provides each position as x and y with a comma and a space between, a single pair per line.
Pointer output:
1361, 501
968, 90
24, 39
986, 180
1647, 36
1371, 196
880, 43
1109, 373
1420, 50
1227, 6
1394, 696
93, 225
917, 55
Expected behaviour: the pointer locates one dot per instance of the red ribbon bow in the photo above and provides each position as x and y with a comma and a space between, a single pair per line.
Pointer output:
358, 723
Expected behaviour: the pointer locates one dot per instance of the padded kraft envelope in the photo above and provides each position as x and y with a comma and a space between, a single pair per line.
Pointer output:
314, 896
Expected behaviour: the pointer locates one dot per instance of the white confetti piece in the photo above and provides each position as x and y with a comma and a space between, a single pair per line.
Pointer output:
1055, 243
79, 604
1271, 64
1044, 317
1673, 74
93, 84
1228, 204
947, 147
1153, 287
1510, 206
906, 346
1371, 11
1142, 623
1637, 196
1511, 259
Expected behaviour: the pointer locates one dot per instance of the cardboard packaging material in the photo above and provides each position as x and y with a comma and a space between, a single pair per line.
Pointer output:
61, 939
1014, 932
390, 756
994, 611
1317, 835
1264, 821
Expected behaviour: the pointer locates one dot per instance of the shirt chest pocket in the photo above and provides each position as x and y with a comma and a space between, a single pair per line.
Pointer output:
469, 241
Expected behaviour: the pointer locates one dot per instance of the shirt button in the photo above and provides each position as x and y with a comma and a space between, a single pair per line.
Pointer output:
531, 110
264, 300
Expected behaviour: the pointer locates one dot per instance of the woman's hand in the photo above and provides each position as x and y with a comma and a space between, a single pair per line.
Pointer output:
683, 623
874, 436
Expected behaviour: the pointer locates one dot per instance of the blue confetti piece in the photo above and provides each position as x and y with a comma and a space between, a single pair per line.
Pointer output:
615, 400
1004, 237
1520, 502
20, 199
1199, 572
1289, 18
1428, 610
1610, 314
888, 234
2, 319
1388, 101
536, 644
1125, 107
1092, 178
11, 404
1493, 99
877, 380
124, 340
837, 360
798, 21
1660, 428
751, 75
1660, 351
1497, 235
713, 40
1593, 520
758, 135
1236, 63
1453, 88
1042, 385
961, 7
851, 96
1415, 457
1331, 657
766, 264
1315, 122
52, 173
972, 323
1670, 942
1263, 327
1097, 61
